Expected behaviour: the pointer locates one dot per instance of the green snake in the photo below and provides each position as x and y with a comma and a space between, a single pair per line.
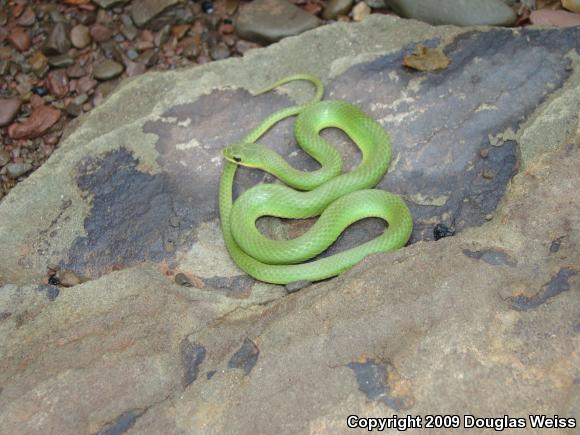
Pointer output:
340, 199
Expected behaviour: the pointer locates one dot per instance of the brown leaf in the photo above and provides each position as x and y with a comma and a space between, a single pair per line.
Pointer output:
426, 59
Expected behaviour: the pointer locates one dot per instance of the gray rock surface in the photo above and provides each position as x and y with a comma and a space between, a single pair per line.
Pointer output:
165, 335
266, 21
458, 12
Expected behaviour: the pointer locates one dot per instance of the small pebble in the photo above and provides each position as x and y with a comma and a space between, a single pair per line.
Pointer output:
15, 170
9, 108
162, 36
312, 8
100, 33
180, 30
360, 11
134, 68
334, 8
129, 31
297, 285
4, 158
181, 279
207, 7
81, 99
243, 46
108, 69
74, 110
80, 36
441, 230
148, 58
483, 153
27, 18
87, 17
19, 39
132, 54
60, 61
75, 71
57, 82
39, 64
57, 41
41, 91
220, 51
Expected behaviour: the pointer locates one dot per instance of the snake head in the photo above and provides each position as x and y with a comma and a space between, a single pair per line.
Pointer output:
245, 154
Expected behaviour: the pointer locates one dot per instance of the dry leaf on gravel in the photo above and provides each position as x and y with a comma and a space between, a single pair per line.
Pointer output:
426, 59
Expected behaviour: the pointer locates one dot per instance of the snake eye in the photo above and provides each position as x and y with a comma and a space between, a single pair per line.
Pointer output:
237, 159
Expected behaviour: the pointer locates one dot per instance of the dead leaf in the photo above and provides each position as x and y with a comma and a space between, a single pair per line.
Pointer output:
426, 59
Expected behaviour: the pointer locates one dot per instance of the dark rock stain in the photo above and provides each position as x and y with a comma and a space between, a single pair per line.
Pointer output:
558, 284
192, 355
373, 380
493, 257
52, 291
4, 315
122, 423
246, 357
132, 217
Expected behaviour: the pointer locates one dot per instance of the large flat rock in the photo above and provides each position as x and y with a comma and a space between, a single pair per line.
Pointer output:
482, 323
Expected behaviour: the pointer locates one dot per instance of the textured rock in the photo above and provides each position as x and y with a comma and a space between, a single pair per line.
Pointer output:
168, 336
458, 12
266, 21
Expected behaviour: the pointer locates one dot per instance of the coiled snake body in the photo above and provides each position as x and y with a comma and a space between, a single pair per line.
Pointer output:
339, 199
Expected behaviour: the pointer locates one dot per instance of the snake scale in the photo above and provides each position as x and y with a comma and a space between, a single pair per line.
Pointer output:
340, 199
